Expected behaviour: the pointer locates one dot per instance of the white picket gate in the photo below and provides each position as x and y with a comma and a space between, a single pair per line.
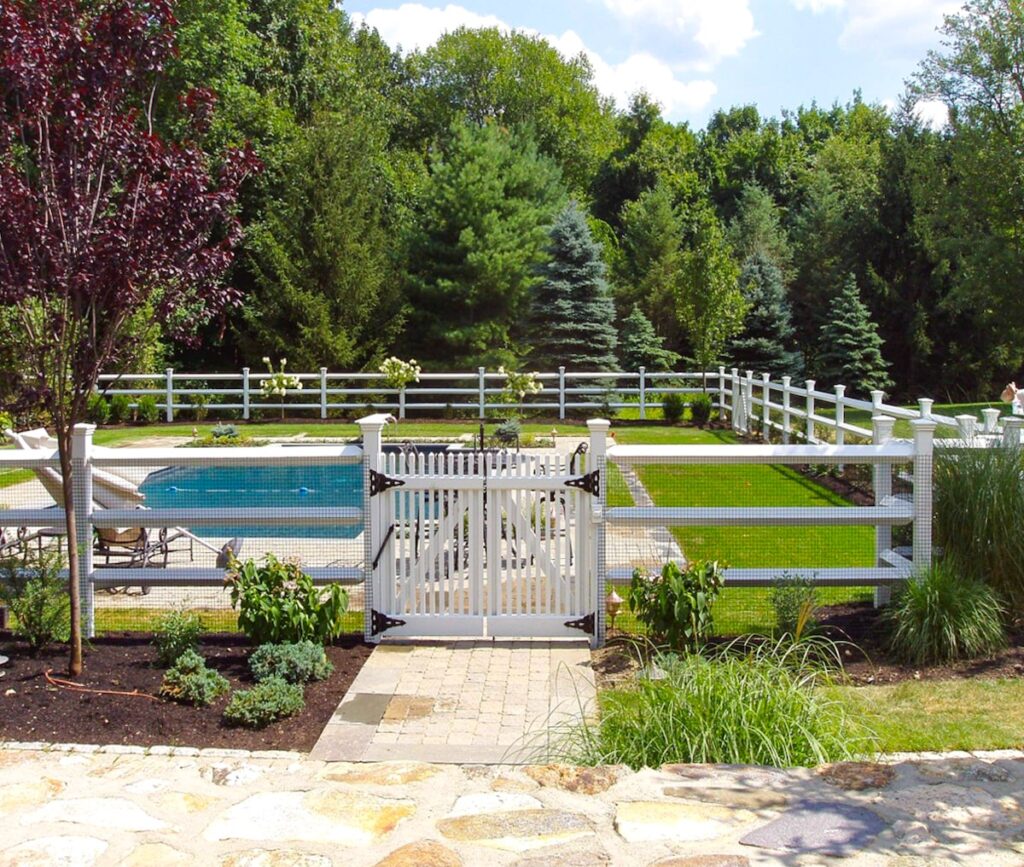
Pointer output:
482, 544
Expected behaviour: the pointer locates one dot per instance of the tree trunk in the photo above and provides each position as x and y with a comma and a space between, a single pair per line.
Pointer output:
75, 664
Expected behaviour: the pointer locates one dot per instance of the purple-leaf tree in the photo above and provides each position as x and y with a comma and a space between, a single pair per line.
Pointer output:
105, 228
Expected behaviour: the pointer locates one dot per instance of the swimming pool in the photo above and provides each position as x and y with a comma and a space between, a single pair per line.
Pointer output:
265, 487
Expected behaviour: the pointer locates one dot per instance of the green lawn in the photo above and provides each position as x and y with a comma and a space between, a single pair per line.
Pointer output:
941, 715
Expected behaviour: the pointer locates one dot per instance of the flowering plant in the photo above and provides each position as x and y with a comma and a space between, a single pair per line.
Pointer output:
398, 374
519, 384
278, 383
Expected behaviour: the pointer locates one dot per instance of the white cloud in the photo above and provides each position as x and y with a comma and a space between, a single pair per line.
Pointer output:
933, 113
413, 26
817, 6
881, 24
720, 27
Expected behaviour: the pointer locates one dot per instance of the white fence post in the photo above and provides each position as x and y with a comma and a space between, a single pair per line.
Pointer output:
990, 420
924, 449
169, 403
643, 392
967, 426
737, 404
597, 460
840, 420
1012, 427
766, 415
561, 393
81, 493
481, 378
877, 397
881, 430
323, 392
401, 402
809, 407
371, 427
925, 406
721, 393
245, 393
748, 402
786, 380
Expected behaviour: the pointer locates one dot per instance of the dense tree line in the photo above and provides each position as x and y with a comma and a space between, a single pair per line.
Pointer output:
480, 202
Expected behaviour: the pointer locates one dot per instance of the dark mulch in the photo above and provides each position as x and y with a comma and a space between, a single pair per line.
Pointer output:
861, 633
38, 711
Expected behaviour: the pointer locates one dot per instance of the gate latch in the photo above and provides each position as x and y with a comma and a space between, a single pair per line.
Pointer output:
585, 623
379, 483
590, 483
381, 622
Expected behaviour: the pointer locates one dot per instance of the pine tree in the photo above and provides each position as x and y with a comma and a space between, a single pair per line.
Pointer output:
851, 350
572, 314
762, 345
640, 346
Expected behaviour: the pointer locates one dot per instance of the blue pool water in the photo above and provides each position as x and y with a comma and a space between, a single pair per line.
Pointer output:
263, 487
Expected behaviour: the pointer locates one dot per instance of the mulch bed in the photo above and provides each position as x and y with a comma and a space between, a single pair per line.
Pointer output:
38, 711
866, 660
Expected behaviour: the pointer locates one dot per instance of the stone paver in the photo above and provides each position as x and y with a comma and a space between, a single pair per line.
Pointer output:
486, 701
94, 807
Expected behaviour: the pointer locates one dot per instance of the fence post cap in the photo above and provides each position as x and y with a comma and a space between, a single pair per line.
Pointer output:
375, 421
926, 425
840, 390
598, 424
810, 383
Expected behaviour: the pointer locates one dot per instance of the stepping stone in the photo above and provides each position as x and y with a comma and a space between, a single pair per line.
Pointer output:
421, 854
156, 855
274, 858
382, 774
585, 781
744, 799
493, 802
516, 830
821, 828
65, 851
857, 776
16, 796
670, 821
729, 776
703, 861
115, 814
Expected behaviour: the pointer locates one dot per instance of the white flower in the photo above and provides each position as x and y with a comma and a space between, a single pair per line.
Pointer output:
266, 359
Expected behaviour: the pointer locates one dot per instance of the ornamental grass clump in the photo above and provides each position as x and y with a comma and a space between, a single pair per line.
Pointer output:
745, 704
299, 662
942, 615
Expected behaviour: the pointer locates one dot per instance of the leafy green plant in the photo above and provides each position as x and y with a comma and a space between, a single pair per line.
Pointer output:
37, 596
176, 633
268, 701
147, 410
190, 681
760, 704
942, 615
700, 409
277, 603
120, 409
793, 598
6, 421
223, 431
508, 432
979, 501
97, 410
200, 406
675, 605
299, 662
672, 407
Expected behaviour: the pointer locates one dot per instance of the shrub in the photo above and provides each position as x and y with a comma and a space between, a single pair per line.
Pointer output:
97, 410
508, 432
979, 501
793, 598
672, 408
277, 603
296, 663
759, 706
675, 605
120, 409
224, 431
175, 634
147, 409
941, 615
700, 409
269, 700
200, 404
191, 682
37, 597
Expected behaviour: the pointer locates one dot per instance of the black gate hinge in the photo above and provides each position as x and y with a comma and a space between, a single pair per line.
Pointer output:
379, 483
590, 483
381, 622
587, 624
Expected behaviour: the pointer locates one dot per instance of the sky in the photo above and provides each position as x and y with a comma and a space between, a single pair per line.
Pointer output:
697, 56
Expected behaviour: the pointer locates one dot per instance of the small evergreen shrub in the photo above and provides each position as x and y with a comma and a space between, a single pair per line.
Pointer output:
37, 596
97, 410
941, 615
700, 409
176, 633
224, 431
277, 603
672, 408
189, 681
268, 701
675, 605
793, 598
120, 409
147, 409
508, 432
300, 662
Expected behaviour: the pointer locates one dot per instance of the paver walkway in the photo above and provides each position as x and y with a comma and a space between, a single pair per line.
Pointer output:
85, 807
487, 701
